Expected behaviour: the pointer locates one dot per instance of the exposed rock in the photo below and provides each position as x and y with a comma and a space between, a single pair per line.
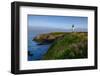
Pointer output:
47, 38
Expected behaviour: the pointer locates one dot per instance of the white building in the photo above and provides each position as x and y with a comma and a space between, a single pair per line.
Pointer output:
73, 28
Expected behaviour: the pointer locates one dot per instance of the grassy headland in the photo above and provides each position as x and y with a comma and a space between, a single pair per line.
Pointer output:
70, 45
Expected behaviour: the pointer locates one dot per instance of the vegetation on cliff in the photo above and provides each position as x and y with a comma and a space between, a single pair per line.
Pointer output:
70, 45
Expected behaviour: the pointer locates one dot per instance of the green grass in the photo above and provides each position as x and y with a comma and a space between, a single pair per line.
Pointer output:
70, 46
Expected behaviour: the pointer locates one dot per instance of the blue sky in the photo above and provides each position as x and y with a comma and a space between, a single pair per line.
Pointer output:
62, 22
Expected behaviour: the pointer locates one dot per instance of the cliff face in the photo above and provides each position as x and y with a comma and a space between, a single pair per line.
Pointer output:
65, 45
48, 38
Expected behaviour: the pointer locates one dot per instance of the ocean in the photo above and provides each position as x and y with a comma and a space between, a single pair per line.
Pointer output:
36, 51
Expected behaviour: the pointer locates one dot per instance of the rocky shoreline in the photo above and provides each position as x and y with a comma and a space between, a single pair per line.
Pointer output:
48, 38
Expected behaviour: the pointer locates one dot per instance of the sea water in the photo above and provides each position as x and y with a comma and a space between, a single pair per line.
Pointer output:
37, 51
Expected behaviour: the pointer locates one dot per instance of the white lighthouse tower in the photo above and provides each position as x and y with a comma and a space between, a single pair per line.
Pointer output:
73, 28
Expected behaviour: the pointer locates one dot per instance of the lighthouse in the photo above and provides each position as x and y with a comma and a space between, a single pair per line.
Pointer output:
73, 28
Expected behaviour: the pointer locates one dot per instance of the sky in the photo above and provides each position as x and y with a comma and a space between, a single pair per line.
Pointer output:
62, 22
